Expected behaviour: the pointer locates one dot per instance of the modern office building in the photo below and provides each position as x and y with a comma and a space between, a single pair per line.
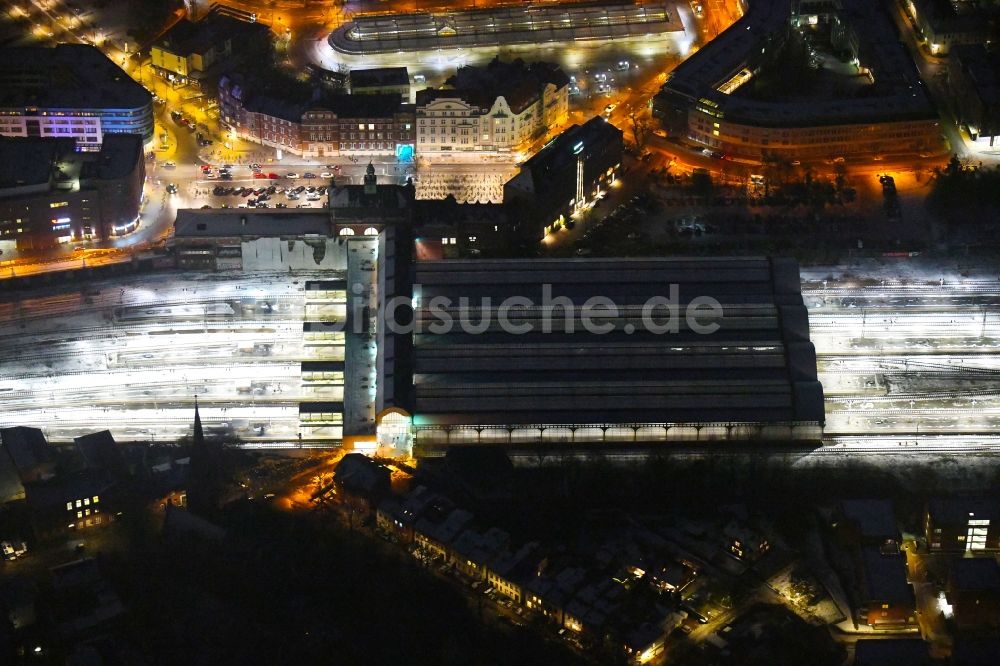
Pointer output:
698, 104
70, 91
499, 108
52, 193
566, 176
499, 352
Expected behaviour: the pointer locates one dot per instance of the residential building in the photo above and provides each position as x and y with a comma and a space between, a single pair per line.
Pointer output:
69, 504
565, 177
743, 542
509, 571
942, 25
52, 193
973, 590
697, 104
188, 50
958, 524
885, 596
500, 108
313, 123
381, 81
70, 91
362, 477
974, 81
30, 453
440, 525
473, 550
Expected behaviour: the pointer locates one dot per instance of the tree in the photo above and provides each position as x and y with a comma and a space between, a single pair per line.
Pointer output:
640, 127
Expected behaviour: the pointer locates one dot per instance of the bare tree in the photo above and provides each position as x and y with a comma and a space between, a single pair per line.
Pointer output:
640, 127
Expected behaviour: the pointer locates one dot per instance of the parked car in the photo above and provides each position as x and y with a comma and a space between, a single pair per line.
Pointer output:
292, 175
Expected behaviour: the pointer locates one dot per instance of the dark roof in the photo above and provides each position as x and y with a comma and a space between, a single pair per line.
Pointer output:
55, 493
360, 473
885, 577
982, 66
874, 517
188, 37
100, 451
559, 153
757, 367
975, 651
68, 76
250, 222
958, 510
27, 447
891, 652
979, 573
40, 160
378, 77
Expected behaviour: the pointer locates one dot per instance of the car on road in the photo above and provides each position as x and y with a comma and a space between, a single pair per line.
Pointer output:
272, 176
326, 174
308, 174
609, 108
171, 188
170, 165
258, 174
313, 197
254, 166
281, 205
292, 175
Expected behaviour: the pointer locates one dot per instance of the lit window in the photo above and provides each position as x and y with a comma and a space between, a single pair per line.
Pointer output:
86, 501
96, 499
69, 506
78, 504
79, 514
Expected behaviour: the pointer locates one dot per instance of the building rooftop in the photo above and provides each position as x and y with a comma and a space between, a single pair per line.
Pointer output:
68, 76
891, 652
379, 77
197, 37
560, 154
958, 510
250, 222
26, 447
875, 518
40, 161
503, 26
758, 366
902, 95
982, 66
978, 573
884, 577
519, 83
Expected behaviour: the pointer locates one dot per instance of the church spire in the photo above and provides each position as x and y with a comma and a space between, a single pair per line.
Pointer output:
199, 434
